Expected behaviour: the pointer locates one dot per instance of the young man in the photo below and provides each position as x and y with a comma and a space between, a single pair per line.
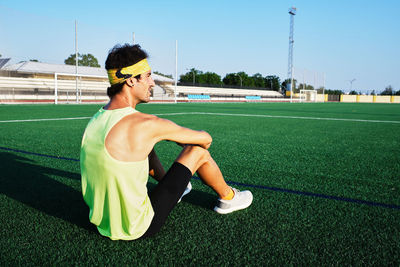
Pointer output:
117, 156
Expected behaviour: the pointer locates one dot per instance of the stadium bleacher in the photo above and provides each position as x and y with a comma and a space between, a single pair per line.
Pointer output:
226, 92
35, 82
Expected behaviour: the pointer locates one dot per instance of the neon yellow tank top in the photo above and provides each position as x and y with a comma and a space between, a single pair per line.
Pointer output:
114, 190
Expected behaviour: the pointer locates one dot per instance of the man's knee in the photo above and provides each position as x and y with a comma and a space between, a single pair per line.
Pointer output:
194, 156
200, 153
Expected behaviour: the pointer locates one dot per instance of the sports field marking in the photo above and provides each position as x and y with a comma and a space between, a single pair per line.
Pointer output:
275, 189
274, 116
53, 119
221, 114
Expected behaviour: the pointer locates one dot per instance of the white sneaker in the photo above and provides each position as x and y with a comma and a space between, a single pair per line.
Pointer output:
241, 200
187, 190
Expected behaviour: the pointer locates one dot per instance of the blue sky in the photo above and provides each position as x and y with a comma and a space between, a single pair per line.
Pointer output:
343, 40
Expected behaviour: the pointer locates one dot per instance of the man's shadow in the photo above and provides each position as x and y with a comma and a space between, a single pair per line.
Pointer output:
24, 180
27, 182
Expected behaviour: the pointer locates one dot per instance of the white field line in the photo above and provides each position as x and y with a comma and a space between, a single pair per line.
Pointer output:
220, 114
54, 119
274, 116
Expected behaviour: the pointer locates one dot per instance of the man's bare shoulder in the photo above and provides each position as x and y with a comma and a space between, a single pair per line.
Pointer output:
148, 126
144, 119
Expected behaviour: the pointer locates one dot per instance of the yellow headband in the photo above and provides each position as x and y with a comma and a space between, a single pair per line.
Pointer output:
120, 75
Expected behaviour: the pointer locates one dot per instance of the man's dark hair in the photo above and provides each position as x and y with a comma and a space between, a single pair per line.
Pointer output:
120, 57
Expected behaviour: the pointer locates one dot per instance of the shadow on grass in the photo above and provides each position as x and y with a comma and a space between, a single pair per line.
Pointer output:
22, 179
25, 181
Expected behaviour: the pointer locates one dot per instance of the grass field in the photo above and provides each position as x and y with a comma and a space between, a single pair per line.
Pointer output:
325, 180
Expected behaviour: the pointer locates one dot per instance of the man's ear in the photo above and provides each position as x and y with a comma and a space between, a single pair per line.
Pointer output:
131, 81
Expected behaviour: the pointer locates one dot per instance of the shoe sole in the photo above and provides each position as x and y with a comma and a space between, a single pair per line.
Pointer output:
241, 207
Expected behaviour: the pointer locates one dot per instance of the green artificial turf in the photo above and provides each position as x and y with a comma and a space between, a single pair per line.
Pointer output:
352, 168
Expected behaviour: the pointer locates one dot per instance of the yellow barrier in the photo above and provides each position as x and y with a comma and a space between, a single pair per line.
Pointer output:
320, 98
348, 98
383, 99
369, 99
365, 99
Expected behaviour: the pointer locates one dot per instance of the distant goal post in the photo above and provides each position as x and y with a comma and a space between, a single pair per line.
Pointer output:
73, 88
308, 95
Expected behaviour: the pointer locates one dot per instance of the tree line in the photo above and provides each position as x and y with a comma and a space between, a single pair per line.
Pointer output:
239, 79
270, 82
83, 60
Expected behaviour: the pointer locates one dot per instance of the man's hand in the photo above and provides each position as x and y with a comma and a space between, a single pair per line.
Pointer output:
205, 146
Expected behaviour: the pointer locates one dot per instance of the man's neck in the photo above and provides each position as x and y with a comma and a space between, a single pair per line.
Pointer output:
120, 101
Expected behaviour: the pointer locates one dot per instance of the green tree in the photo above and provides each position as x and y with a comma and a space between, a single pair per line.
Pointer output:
258, 80
33, 60
209, 78
333, 92
305, 86
388, 91
83, 60
397, 92
190, 77
238, 79
231, 79
272, 82
353, 92
246, 80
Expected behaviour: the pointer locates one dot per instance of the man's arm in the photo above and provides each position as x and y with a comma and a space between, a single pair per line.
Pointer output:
167, 130
156, 170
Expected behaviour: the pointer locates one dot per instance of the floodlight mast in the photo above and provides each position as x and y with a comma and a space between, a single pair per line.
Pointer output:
176, 69
76, 61
351, 84
292, 12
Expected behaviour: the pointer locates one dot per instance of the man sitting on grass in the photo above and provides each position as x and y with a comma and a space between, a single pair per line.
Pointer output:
117, 155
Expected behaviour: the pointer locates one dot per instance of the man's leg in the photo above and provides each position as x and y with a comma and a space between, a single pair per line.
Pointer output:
199, 159
230, 199
166, 194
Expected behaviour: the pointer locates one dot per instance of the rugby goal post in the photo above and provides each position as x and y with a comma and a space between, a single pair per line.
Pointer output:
308, 96
76, 82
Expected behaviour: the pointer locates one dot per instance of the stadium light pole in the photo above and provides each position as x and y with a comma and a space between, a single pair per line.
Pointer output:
176, 68
194, 76
291, 86
323, 88
76, 61
351, 84
241, 81
292, 12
